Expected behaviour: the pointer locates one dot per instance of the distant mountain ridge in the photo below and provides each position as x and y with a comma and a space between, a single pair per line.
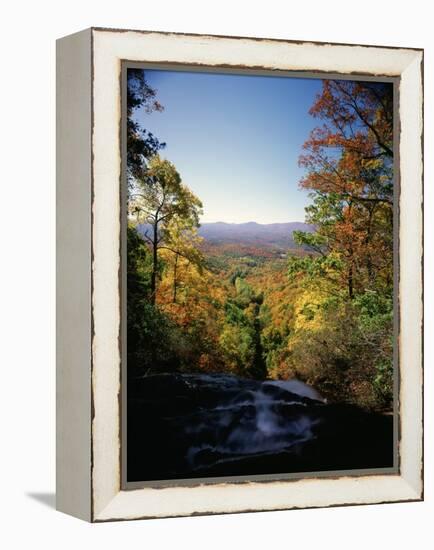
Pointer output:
250, 233
277, 234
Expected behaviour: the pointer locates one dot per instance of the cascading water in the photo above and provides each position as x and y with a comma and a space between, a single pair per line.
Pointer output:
200, 425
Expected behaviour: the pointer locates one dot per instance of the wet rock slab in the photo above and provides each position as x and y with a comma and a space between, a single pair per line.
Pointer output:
183, 426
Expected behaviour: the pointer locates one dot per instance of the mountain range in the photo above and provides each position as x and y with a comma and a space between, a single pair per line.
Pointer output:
250, 233
271, 234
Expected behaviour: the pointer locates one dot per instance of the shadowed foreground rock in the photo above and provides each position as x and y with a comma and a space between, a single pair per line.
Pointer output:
192, 426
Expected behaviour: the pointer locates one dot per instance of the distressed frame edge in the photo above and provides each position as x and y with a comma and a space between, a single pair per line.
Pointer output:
253, 38
73, 275
412, 162
112, 512
410, 491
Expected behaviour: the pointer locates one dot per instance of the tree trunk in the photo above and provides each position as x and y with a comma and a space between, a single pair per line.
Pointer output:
154, 264
175, 280
350, 282
351, 263
369, 262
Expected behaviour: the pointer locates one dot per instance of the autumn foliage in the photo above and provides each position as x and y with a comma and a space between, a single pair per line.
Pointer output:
349, 173
321, 312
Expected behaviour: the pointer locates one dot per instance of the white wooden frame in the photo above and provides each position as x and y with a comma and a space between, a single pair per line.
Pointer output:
88, 267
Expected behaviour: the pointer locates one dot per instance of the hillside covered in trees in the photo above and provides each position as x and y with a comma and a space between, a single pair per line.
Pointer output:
317, 307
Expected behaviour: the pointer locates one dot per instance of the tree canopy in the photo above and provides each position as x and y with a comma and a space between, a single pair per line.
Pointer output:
321, 312
141, 144
349, 162
163, 204
349, 271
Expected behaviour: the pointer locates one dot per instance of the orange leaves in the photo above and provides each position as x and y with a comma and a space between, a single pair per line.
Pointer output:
349, 171
358, 117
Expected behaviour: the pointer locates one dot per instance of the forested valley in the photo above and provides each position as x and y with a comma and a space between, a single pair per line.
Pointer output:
320, 310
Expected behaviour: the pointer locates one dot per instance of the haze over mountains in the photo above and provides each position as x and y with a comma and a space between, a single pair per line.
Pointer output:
277, 235
272, 234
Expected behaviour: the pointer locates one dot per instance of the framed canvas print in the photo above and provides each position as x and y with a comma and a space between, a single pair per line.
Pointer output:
239, 274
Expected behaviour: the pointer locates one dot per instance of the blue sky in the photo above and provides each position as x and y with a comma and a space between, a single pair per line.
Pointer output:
236, 140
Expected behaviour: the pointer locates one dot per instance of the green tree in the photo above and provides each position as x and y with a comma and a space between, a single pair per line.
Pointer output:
240, 338
151, 336
183, 242
342, 340
349, 164
141, 144
159, 198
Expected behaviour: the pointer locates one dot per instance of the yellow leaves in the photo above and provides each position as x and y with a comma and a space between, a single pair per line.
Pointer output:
372, 163
308, 310
199, 295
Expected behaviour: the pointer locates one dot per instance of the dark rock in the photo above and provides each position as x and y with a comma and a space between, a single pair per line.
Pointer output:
193, 426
